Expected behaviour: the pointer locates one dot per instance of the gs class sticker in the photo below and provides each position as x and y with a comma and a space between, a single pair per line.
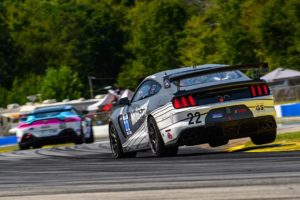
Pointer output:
260, 107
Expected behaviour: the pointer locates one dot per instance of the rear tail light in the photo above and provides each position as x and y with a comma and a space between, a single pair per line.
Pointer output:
177, 103
192, 100
27, 136
266, 89
184, 102
259, 90
253, 92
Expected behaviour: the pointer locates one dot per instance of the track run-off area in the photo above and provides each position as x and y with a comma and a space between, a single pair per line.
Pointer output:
90, 172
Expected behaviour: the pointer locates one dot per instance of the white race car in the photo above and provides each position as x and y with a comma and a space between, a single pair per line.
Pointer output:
54, 125
187, 106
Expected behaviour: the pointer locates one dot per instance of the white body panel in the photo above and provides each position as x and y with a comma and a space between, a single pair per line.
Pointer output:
46, 130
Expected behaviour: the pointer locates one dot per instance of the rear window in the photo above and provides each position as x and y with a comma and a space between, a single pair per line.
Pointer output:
209, 78
49, 114
45, 114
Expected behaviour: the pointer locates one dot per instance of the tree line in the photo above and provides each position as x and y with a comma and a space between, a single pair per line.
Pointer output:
51, 46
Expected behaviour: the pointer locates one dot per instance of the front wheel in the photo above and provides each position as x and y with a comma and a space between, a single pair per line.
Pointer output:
156, 142
116, 146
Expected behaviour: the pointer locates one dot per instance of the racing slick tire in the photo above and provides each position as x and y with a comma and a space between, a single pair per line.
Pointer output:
218, 142
264, 138
116, 146
79, 139
37, 146
156, 142
91, 138
23, 146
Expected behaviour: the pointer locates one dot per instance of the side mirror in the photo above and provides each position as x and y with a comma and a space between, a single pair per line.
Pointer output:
124, 101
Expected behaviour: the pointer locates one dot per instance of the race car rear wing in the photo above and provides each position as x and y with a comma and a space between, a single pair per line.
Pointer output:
261, 68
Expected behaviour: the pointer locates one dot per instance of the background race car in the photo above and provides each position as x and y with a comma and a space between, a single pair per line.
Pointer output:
194, 105
54, 125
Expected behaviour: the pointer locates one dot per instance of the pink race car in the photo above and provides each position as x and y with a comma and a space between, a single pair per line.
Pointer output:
54, 125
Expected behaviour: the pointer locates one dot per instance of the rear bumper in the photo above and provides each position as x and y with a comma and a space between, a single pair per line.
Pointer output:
62, 137
226, 130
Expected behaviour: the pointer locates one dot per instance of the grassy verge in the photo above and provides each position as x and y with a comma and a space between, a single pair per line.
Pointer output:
282, 138
283, 142
8, 148
16, 147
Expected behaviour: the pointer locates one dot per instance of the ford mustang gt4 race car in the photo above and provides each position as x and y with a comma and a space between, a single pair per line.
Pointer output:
54, 125
188, 106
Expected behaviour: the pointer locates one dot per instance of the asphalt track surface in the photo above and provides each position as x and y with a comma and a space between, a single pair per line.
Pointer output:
89, 172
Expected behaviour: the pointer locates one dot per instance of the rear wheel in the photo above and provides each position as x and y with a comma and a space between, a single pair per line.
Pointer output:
37, 146
156, 142
23, 146
79, 139
116, 146
218, 142
264, 138
90, 139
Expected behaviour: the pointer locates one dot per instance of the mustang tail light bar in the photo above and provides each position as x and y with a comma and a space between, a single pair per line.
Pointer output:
259, 90
184, 102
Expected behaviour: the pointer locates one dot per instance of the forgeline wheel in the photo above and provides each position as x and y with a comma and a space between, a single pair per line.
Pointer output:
264, 138
116, 146
156, 142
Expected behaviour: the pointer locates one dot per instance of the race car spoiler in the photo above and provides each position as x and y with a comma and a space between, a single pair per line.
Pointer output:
261, 67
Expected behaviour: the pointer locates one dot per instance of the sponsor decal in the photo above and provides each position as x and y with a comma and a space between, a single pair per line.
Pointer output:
170, 136
217, 115
138, 113
126, 124
260, 107
194, 118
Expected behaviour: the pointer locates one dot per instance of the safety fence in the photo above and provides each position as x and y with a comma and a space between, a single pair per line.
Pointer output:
286, 94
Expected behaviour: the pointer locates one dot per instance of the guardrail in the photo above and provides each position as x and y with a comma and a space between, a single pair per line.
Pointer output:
286, 94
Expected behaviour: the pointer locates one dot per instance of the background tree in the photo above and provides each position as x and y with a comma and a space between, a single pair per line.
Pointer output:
61, 83
155, 28
7, 52
23, 87
201, 36
126, 40
278, 32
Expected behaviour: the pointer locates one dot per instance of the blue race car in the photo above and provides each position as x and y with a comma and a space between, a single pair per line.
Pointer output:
54, 125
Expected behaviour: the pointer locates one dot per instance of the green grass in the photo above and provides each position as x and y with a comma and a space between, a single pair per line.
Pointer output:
16, 147
282, 138
9, 148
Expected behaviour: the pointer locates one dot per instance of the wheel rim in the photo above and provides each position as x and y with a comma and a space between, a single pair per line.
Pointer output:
152, 137
113, 140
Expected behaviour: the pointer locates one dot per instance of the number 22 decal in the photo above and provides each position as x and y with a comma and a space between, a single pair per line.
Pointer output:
192, 116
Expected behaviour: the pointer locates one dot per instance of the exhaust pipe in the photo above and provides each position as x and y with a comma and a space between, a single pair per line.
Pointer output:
271, 124
264, 125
